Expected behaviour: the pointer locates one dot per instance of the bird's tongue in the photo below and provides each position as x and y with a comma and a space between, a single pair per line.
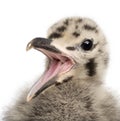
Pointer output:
56, 67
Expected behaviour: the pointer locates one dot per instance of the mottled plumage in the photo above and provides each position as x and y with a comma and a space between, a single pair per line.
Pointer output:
78, 94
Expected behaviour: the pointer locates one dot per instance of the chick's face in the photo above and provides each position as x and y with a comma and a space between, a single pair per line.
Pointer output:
75, 48
81, 39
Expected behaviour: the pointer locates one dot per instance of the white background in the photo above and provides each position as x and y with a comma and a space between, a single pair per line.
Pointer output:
22, 20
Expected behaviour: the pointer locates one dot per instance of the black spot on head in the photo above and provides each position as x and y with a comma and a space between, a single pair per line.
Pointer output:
66, 22
91, 67
76, 34
79, 20
89, 28
55, 35
70, 48
61, 29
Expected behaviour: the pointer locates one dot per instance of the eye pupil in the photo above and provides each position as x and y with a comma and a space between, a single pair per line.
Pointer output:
87, 44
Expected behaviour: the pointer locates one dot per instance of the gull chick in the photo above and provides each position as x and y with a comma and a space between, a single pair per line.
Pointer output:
71, 88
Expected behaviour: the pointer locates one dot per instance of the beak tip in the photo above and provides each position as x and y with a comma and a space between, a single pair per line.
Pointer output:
29, 46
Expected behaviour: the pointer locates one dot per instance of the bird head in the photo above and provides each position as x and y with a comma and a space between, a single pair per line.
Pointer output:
75, 48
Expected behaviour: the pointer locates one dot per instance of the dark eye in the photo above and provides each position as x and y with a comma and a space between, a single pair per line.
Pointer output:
87, 44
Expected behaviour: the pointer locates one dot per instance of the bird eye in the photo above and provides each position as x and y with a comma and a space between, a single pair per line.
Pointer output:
87, 44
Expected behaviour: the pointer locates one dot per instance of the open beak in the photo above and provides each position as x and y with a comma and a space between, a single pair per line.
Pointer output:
59, 63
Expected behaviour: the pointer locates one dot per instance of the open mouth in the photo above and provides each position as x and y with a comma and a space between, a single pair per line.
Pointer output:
59, 64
